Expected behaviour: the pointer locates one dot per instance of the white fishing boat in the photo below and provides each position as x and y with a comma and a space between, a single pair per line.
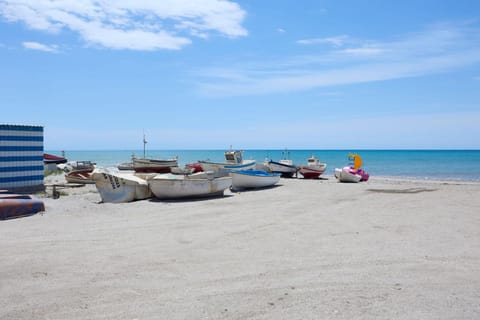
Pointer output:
313, 169
246, 179
201, 184
233, 161
285, 166
154, 165
117, 187
145, 165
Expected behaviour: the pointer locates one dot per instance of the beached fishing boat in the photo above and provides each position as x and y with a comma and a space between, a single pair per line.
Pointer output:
313, 169
245, 179
285, 166
145, 165
125, 166
53, 159
202, 184
117, 187
154, 165
18, 205
76, 165
233, 161
352, 173
83, 176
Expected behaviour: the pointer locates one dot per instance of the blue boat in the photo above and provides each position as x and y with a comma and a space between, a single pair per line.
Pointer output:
246, 179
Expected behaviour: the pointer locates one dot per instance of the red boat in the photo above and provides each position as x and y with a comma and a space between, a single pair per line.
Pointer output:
50, 158
313, 169
195, 166
18, 205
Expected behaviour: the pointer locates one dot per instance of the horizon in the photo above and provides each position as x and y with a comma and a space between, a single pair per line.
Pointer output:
320, 75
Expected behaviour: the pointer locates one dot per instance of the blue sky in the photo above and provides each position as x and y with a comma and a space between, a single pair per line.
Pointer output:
208, 74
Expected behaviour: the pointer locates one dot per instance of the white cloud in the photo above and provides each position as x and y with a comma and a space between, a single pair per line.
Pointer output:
337, 41
438, 49
130, 24
364, 51
40, 47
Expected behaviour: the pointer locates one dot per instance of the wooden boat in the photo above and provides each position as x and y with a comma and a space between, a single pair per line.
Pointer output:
83, 176
145, 165
53, 159
233, 161
285, 166
352, 173
18, 205
117, 187
125, 166
77, 165
154, 165
313, 169
245, 179
202, 184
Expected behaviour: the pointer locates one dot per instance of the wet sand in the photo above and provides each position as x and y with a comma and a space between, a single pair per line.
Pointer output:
306, 249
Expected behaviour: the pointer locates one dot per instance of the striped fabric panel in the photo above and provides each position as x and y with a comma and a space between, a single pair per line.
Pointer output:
32, 180
21, 138
8, 154
22, 169
17, 174
26, 129
28, 164
21, 143
17, 158
20, 148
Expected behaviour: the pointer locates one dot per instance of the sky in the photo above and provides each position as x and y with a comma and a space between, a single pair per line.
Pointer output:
207, 74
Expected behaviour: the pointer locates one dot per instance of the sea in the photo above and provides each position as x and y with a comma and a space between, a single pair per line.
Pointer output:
418, 164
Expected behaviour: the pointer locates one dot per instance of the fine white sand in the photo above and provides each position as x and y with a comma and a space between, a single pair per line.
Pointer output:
306, 249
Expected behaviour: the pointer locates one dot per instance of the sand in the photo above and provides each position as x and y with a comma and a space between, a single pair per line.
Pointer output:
306, 249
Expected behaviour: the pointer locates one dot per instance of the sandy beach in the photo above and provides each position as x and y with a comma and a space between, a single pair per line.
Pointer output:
306, 249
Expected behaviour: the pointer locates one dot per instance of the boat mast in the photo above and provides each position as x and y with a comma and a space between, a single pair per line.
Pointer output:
144, 143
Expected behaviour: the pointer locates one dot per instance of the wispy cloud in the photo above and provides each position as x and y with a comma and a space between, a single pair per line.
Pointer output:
364, 51
437, 49
335, 41
40, 47
134, 25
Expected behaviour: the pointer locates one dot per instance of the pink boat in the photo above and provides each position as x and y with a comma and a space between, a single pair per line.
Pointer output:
352, 173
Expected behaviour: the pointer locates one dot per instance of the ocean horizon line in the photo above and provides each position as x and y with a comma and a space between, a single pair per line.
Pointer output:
262, 149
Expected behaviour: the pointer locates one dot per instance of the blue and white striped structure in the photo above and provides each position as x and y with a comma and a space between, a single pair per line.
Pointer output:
21, 157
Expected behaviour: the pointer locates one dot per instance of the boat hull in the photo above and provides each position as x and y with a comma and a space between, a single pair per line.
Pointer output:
171, 186
284, 169
80, 176
347, 174
119, 188
312, 172
154, 165
228, 167
17, 205
246, 179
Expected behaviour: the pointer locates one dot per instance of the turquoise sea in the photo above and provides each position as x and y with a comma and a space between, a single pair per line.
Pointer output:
422, 164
